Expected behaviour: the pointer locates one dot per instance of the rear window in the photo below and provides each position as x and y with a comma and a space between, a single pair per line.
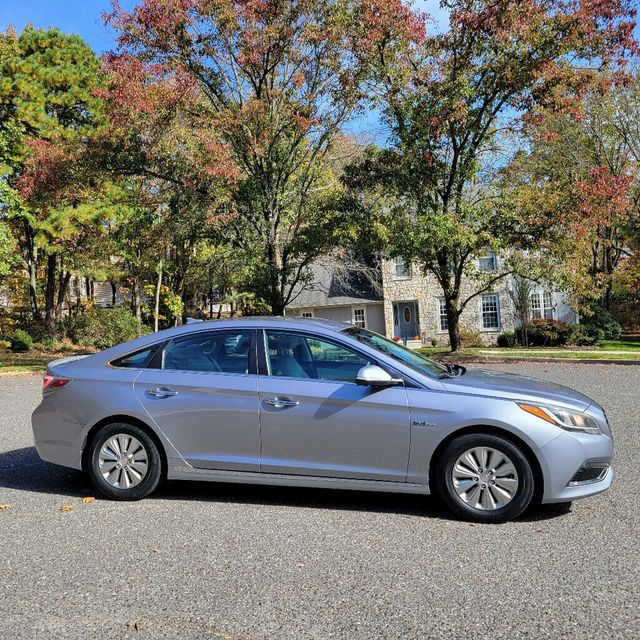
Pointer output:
137, 359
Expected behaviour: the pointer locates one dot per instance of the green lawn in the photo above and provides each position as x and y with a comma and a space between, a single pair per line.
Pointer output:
628, 348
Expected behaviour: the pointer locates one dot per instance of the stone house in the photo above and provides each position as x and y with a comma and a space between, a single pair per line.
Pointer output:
408, 305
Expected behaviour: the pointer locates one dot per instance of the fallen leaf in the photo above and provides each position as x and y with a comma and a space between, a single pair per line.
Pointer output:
66, 507
4, 505
135, 626
88, 499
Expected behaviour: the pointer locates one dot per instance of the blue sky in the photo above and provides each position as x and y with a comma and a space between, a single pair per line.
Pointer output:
84, 17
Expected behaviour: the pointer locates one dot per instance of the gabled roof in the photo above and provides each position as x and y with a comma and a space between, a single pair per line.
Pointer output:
330, 288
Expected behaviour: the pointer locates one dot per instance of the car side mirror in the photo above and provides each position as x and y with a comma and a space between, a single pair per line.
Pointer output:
372, 375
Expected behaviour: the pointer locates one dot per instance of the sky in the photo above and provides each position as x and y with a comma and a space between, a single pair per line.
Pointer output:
84, 17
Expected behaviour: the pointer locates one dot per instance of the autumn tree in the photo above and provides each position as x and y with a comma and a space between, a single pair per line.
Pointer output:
47, 108
277, 80
451, 98
579, 178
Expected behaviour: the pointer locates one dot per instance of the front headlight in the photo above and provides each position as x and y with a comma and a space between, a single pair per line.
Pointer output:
564, 418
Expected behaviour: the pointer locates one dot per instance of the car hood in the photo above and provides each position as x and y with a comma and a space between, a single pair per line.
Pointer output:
515, 387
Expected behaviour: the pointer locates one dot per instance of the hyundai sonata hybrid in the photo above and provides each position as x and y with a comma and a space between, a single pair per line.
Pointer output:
313, 403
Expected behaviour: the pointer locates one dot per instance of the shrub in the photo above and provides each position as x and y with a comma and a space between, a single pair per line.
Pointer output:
546, 333
102, 328
602, 319
507, 339
470, 338
20, 340
582, 335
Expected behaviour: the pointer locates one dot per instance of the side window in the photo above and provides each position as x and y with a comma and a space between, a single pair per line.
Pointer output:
137, 360
211, 351
298, 356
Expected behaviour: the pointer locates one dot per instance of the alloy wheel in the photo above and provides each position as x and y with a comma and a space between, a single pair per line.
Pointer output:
485, 478
123, 461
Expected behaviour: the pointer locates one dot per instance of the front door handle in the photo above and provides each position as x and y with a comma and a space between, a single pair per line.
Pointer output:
279, 403
161, 392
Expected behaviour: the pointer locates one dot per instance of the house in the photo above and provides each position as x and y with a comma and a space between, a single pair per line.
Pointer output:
406, 304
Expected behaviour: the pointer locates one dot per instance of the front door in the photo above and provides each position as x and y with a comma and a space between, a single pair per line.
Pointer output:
315, 420
203, 395
405, 320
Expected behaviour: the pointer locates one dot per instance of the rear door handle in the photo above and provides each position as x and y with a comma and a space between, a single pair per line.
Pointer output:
279, 403
161, 392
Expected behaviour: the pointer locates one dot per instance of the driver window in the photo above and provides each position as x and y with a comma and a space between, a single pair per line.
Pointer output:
297, 356
211, 352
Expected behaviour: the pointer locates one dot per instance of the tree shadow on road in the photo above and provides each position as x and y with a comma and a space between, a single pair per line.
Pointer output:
22, 470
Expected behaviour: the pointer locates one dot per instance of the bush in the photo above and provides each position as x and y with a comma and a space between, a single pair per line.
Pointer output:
102, 328
20, 340
470, 338
583, 335
507, 339
600, 318
545, 333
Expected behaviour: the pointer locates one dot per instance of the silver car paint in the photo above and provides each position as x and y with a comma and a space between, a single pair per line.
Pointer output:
354, 437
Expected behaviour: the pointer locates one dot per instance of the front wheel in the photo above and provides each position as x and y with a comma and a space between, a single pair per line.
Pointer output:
124, 462
485, 478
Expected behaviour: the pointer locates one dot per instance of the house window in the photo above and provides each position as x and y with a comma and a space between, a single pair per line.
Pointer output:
358, 318
402, 268
487, 262
534, 303
442, 314
490, 312
547, 303
307, 314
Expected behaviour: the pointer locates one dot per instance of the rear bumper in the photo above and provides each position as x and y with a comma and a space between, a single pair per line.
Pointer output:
562, 459
57, 440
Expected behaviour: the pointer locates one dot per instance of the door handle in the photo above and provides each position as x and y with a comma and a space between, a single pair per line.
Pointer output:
161, 392
279, 403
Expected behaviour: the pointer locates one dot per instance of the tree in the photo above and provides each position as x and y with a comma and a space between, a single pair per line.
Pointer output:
579, 178
47, 108
277, 80
451, 99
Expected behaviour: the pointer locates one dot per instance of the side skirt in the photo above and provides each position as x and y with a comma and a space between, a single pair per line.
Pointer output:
181, 472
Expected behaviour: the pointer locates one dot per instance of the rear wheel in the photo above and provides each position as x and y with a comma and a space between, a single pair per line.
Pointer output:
485, 478
124, 462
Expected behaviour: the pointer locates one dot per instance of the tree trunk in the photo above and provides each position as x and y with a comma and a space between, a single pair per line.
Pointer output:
156, 311
32, 267
453, 321
50, 295
114, 290
135, 299
63, 285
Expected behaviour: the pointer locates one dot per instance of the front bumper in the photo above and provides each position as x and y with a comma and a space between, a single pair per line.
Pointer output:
564, 456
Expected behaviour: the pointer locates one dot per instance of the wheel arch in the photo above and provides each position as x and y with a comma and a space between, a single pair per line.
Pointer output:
127, 419
496, 431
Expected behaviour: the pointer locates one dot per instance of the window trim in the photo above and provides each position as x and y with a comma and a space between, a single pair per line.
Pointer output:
489, 254
498, 314
263, 358
156, 361
406, 264
440, 303
364, 316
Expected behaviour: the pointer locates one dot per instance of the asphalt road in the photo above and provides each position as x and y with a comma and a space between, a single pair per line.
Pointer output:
233, 562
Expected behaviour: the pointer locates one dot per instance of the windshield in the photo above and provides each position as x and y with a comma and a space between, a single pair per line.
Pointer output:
398, 352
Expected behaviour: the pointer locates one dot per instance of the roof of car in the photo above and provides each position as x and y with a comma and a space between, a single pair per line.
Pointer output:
293, 321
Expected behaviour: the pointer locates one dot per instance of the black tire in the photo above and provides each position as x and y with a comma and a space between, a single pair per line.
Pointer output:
149, 481
445, 482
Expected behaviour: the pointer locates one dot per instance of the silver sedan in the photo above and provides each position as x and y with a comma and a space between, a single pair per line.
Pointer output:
313, 403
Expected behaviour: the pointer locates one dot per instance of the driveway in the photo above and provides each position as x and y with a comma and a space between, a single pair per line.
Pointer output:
239, 562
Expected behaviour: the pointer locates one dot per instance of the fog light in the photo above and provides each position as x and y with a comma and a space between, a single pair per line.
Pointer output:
589, 472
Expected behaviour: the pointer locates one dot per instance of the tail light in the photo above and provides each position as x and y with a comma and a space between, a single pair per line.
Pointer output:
50, 383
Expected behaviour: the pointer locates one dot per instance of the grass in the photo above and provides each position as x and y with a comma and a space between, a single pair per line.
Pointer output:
34, 360
630, 346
